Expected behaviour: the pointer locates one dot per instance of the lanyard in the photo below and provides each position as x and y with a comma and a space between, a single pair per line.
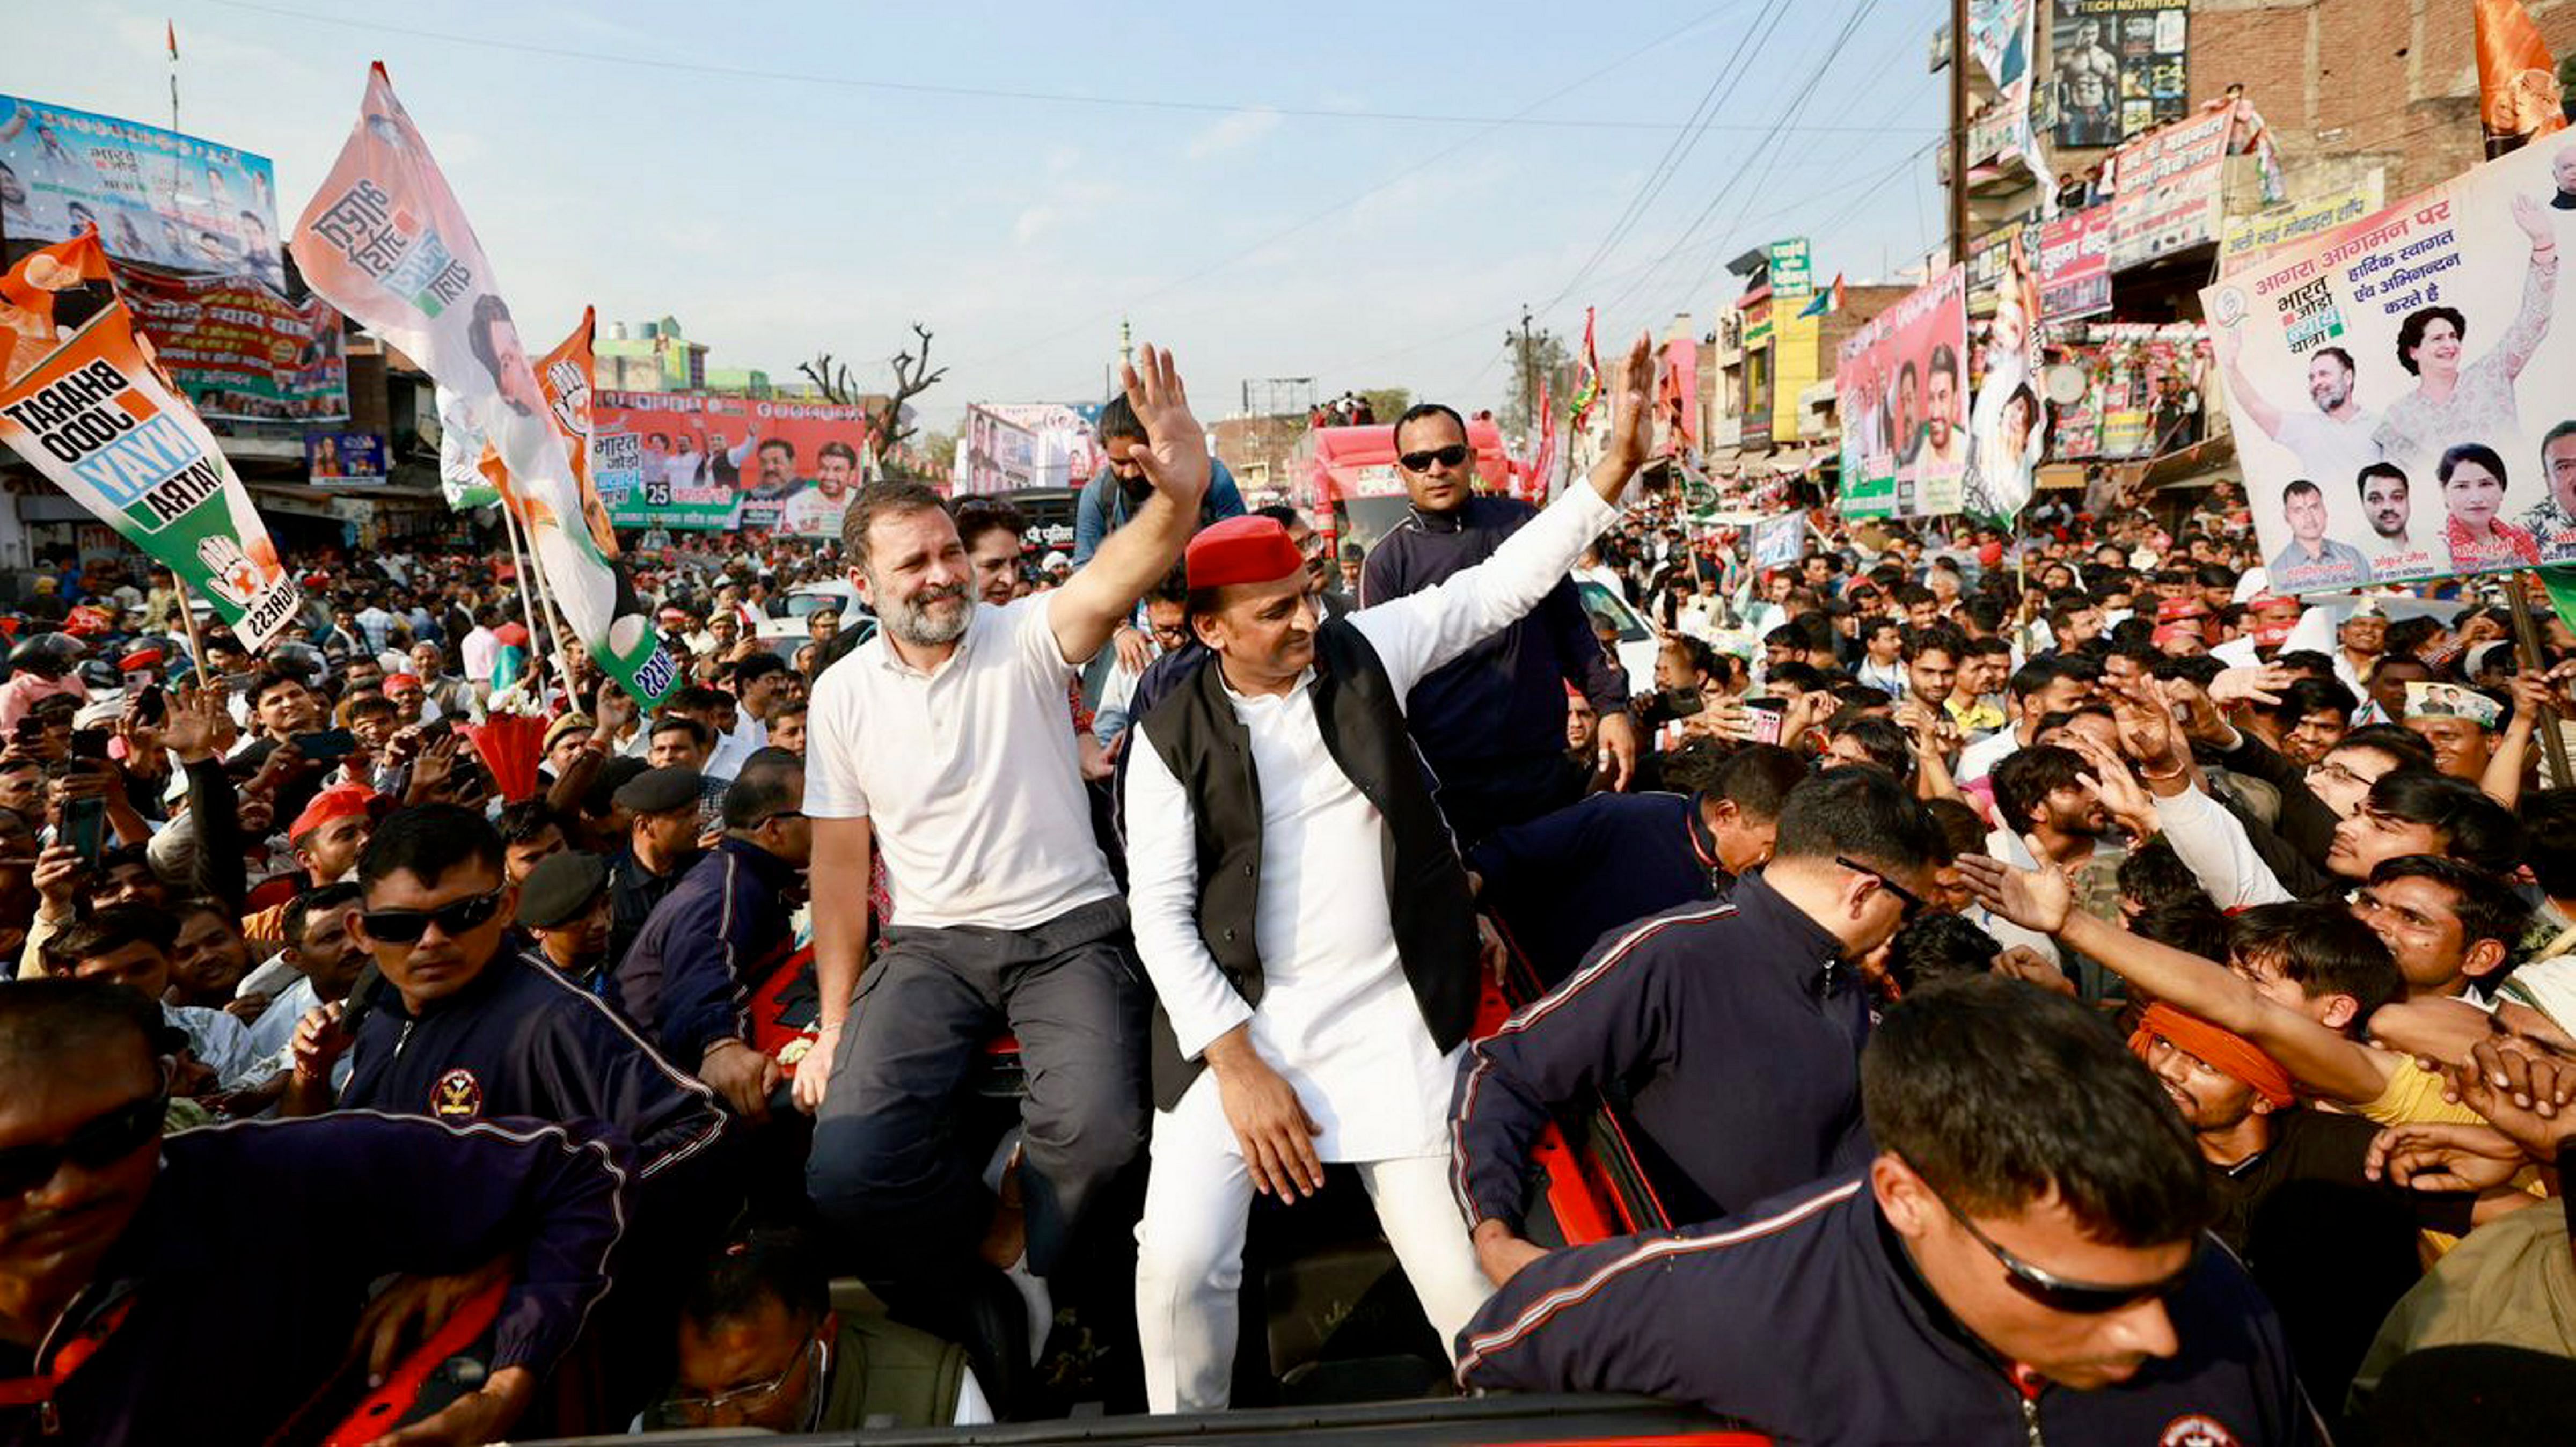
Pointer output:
38, 1391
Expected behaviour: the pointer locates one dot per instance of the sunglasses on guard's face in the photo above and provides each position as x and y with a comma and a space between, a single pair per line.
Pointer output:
454, 918
98, 1142
1453, 455
2057, 1293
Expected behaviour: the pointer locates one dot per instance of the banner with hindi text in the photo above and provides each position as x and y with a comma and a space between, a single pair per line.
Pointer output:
82, 401
2404, 397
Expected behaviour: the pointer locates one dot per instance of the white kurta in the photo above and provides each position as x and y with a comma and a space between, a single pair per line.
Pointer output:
1337, 1016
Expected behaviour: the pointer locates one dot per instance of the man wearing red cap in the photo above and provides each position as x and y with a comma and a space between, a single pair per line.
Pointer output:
943, 740
1300, 905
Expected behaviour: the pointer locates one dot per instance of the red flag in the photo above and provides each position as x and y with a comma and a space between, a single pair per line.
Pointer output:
1587, 377
1543, 465
2518, 99
171, 29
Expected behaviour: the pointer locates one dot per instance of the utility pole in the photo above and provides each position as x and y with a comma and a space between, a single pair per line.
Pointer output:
1529, 369
1959, 131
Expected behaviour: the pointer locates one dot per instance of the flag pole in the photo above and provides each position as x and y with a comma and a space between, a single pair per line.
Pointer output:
188, 621
170, 29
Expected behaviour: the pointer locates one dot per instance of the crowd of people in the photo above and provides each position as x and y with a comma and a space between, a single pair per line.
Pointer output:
2050, 986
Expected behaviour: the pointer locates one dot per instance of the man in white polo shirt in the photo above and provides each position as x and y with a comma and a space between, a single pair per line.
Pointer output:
943, 740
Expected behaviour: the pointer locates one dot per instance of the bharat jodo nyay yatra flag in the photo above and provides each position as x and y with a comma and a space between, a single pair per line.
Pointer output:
2404, 396
385, 241
82, 399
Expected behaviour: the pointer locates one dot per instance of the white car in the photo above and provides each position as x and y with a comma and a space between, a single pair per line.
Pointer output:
808, 598
1637, 642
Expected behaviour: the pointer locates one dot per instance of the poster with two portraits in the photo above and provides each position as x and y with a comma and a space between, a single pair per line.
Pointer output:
2403, 387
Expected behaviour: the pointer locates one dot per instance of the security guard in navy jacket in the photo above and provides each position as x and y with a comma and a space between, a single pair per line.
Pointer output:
460, 1030
1563, 880
144, 1320
688, 977
1733, 1029
2024, 1262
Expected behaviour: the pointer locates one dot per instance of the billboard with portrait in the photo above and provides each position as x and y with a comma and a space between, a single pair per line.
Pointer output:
156, 196
2117, 67
701, 463
240, 351
2404, 398
1900, 385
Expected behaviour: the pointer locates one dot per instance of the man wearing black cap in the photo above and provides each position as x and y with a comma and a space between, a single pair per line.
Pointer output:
564, 903
721, 931
661, 844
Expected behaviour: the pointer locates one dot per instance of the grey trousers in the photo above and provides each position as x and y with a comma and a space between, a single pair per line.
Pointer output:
888, 1170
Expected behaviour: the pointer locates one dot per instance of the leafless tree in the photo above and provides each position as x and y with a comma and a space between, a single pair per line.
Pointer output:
912, 377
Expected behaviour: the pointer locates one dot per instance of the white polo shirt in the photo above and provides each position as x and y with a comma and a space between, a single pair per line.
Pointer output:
969, 773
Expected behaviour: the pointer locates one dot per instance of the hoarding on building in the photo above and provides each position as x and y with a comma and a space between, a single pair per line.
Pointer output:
2117, 67
1901, 386
156, 196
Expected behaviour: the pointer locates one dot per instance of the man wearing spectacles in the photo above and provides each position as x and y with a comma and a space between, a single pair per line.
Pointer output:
1492, 724
2021, 1261
761, 1345
721, 933
1735, 1028
127, 1316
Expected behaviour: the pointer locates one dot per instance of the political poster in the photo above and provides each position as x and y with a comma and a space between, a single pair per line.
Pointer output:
1777, 542
2119, 66
2401, 387
712, 463
386, 242
2171, 192
2007, 423
2000, 35
1901, 382
239, 351
156, 196
2075, 266
345, 459
82, 401
1006, 446
2246, 238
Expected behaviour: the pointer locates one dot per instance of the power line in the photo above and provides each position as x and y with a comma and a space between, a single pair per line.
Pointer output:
1768, 148
906, 87
1676, 151
1347, 203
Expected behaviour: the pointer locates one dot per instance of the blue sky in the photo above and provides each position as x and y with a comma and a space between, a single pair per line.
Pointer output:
656, 158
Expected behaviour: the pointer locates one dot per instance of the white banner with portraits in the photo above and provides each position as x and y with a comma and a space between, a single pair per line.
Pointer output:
2403, 391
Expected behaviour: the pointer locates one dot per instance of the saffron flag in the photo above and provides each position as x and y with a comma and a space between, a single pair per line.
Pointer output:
2518, 100
84, 400
565, 374
1680, 390
1587, 378
386, 242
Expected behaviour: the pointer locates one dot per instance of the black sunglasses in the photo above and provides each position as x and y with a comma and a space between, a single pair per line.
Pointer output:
1914, 903
456, 917
1449, 456
99, 1142
2047, 1288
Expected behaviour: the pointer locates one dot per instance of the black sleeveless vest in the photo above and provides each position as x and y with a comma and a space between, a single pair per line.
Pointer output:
1209, 751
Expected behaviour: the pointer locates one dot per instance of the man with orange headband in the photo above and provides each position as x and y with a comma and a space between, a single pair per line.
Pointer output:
2333, 1249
